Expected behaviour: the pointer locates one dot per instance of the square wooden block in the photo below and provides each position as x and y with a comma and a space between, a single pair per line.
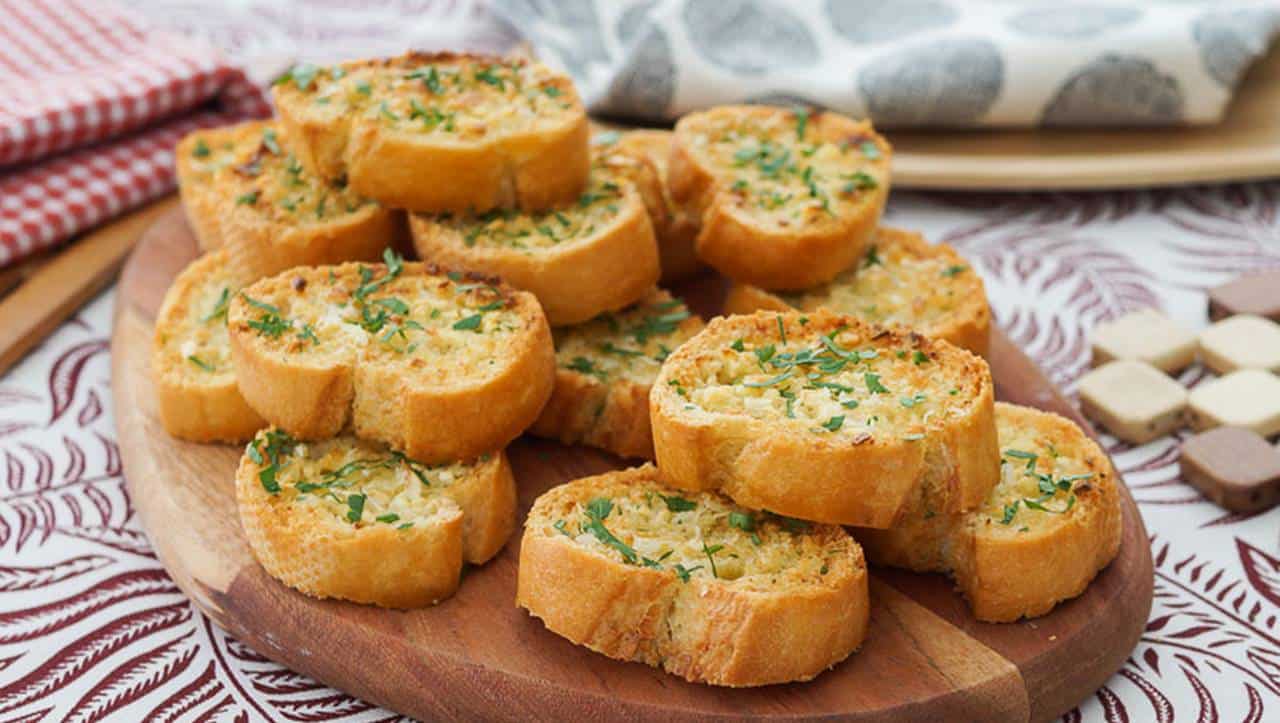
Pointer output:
1133, 400
1254, 294
1234, 467
1248, 398
1241, 342
1145, 335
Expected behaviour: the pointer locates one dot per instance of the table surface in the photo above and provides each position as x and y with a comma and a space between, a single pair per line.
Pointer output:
90, 623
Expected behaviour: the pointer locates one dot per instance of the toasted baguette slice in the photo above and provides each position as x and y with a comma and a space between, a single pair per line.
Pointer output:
243, 189
691, 583
826, 418
593, 255
191, 356
604, 369
350, 519
903, 280
674, 229
440, 132
787, 199
1043, 533
439, 365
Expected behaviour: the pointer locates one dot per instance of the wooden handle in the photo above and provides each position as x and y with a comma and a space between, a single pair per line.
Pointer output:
66, 281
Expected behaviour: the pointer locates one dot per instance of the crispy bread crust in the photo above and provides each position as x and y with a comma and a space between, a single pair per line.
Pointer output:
968, 328
533, 169
727, 637
196, 409
675, 230
876, 482
380, 564
1004, 573
409, 411
744, 250
573, 281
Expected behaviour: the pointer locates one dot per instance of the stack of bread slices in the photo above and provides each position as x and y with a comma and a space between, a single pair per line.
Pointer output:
842, 403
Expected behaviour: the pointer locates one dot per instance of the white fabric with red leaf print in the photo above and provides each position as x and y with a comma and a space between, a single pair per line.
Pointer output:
91, 627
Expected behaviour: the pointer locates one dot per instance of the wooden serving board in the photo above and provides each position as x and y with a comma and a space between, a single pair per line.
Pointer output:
477, 656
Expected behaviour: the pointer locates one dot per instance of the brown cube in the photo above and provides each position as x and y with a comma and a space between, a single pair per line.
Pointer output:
1254, 294
1234, 467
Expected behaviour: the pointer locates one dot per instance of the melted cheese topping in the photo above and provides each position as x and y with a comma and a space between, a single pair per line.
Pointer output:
630, 344
695, 536
195, 339
358, 483
1038, 478
455, 96
252, 165
911, 284
782, 172
844, 385
458, 327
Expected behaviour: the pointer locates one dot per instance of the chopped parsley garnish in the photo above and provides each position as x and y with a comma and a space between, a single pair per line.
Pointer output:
219, 310
269, 323
834, 424
920, 357
873, 258
488, 76
873, 383
683, 572
911, 401
388, 518
200, 363
270, 141
870, 150
248, 199
302, 75
678, 504
597, 511
469, 323
710, 553
802, 121
274, 444
355, 507
951, 271
201, 150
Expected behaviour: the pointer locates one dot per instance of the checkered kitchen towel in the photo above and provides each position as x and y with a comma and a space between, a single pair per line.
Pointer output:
92, 102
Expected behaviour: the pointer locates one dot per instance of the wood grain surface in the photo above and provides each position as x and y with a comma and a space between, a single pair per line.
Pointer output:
1244, 146
477, 656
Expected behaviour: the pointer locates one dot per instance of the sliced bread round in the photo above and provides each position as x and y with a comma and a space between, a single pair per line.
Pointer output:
824, 417
690, 582
1045, 531
787, 198
440, 365
902, 280
604, 369
350, 519
440, 132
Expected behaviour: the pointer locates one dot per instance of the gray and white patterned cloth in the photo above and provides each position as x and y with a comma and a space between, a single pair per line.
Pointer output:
907, 63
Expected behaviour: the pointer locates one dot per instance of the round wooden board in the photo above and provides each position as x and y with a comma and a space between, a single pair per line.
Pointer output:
1244, 146
478, 656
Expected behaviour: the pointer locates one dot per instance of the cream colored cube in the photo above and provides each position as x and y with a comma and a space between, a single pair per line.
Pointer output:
1241, 342
1133, 400
1145, 335
1248, 398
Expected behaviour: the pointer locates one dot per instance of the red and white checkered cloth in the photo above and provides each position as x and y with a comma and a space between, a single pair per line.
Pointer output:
92, 102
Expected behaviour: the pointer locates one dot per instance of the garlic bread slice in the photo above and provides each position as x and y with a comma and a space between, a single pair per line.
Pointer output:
604, 369
674, 229
786, 198
440, 365
440, 132
191, 356
902, 280
690, 582
824, 417
243, 189
593, 255
351, 519
1046, 530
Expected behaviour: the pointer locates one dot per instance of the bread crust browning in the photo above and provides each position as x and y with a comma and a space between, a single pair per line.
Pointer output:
193, 405
1026, 567
376, 563
873, 479
540, 166
744, 249
703, 630
968, 327
388, 395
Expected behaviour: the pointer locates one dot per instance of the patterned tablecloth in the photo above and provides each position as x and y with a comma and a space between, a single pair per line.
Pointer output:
91, 627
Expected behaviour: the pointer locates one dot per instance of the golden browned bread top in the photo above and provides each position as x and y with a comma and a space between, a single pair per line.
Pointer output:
191, 330
251, 166
787, 168
443, 95
630, 344
822, 374
632, 517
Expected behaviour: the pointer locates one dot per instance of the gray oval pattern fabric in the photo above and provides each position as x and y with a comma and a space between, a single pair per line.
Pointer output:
1116, 90
1074, 20
951, 82
645, 84
864, 22
1229, 40
749, 37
